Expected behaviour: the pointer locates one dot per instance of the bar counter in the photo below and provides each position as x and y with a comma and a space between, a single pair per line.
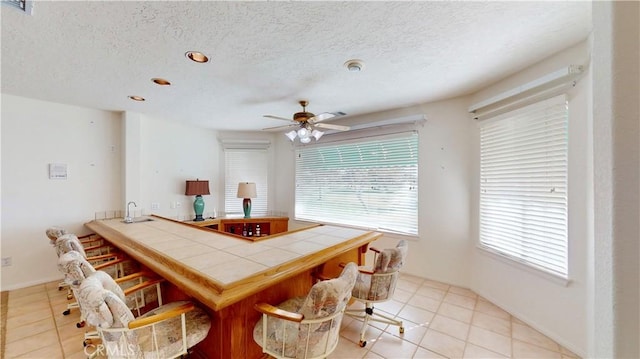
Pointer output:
228, 274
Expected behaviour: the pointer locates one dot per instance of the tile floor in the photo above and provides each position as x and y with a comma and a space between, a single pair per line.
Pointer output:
441, 321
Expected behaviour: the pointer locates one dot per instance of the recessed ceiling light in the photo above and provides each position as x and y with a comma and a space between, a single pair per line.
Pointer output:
197, 56
354, 65
161, 82
137, 98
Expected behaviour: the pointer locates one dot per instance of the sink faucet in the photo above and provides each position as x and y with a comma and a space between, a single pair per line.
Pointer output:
128, 218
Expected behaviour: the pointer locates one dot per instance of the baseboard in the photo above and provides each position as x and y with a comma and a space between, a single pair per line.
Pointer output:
31, 283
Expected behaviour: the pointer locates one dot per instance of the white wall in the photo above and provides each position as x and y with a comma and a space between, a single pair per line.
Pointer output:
442, 250
614, 308
170, 154
551, 307
34, 134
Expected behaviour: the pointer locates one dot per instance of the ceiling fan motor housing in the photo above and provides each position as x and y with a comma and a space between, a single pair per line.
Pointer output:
302, 116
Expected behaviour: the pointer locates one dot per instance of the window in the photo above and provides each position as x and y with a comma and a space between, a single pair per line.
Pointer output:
367, 182
245, 165
523, 185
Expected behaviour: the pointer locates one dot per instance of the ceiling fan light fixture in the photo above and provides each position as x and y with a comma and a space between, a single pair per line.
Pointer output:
305, 140
303, 132
317, 134
291, 135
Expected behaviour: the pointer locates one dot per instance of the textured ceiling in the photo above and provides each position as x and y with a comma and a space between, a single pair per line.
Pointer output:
265, 56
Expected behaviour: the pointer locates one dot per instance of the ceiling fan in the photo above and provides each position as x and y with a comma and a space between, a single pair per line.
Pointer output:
307, 124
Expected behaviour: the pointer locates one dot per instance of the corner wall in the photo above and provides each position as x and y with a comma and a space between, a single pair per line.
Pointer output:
557, 310
34, 134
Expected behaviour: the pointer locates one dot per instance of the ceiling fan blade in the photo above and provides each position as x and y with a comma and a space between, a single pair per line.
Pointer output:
278, 117
321, 117
280, 128
332, 126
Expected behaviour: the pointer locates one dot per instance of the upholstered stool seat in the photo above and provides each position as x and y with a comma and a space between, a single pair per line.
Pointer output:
306, 327
377, 284
156, 334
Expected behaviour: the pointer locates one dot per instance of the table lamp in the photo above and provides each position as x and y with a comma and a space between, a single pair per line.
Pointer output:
247, 190
197, 188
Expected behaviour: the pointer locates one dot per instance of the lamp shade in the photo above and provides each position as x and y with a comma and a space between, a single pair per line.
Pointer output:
197, 188
247, 190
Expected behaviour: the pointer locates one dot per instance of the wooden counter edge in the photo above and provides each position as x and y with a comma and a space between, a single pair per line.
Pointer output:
212, 293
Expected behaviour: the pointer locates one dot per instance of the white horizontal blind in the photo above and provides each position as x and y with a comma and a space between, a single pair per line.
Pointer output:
246, 165
370, 183
523, 185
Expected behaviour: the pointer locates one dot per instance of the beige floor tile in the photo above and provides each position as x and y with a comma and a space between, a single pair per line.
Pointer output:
60, 299
412, 278
372, 355
413, 332
494, 324
389, 346
443, 344
31, 317
351, 332
475, 352
460, 300
529, 335
29, 329
73, 317
402, 295
490, 340
72, 343
27, 299
26, 292
53, 284
449, 326
391, 306
431, 292
422, 353
424, 302
26, 308
455, 312
77, 355
435, 318
48, 339
463, 291
416, 315
348, 350
71, 330
49, 352
526, 350
407, 285
492, 309
436, 284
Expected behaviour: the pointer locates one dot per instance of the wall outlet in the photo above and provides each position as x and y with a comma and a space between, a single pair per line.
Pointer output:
172, 205
155, 205
178, 204
6, 261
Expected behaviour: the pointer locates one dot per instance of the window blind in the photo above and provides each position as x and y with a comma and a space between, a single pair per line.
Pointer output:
246, 165
523, 185
369, 183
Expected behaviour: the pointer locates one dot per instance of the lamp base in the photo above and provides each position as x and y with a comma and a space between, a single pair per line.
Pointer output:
198, 207
246, 207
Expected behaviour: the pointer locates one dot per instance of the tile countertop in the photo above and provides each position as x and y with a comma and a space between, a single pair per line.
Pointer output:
222, 259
